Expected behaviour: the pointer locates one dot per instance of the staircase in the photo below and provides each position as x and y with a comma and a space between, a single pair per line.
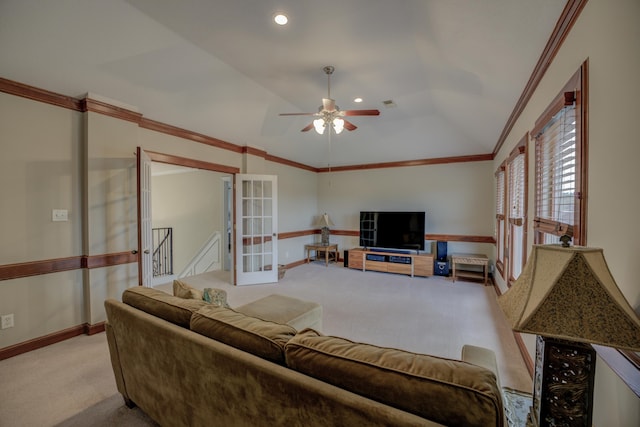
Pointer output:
162, 251
207, 258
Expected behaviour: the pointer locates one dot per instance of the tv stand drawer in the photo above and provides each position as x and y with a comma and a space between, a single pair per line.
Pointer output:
410, 264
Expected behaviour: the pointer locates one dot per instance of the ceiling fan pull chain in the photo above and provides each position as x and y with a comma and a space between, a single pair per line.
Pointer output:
329, 160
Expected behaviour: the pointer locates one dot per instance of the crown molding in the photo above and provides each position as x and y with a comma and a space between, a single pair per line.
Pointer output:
407, 163
40, 95
101, 107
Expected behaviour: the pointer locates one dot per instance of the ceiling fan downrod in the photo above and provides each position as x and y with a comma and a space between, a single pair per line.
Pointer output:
328, 70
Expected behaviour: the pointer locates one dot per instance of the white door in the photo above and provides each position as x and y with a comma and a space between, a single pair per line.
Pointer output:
145, 239
256, 229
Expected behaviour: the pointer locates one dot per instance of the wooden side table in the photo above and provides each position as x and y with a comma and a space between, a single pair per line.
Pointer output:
470, 259
327, 249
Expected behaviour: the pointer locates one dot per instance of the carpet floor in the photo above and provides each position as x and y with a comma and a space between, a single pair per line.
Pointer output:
71, 383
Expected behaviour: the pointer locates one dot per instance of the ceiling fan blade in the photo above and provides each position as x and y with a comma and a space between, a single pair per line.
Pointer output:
307, 128
297, 114
349, 126
328, 104
361, 112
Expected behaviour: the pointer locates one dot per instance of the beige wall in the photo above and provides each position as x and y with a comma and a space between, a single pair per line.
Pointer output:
606, 34
39, 171
457, 199
191, 202
169, 144
42, 161
297, 205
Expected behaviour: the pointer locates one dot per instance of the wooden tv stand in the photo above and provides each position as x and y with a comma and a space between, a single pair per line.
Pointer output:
420, 265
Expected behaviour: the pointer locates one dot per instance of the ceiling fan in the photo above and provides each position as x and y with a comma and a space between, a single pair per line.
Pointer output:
330, 113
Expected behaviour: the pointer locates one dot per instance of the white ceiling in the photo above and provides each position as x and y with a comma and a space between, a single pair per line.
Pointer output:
223, 68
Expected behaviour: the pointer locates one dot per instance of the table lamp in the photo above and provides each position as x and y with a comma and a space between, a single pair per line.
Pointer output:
567, 296
324, 222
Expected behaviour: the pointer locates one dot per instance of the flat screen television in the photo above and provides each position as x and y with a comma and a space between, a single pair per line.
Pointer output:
392, 230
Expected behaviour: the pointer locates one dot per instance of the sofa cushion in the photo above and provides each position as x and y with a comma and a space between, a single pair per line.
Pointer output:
161, 304
447, 391
259, 337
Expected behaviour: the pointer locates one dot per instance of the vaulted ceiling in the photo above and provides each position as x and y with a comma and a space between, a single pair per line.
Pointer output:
454, 69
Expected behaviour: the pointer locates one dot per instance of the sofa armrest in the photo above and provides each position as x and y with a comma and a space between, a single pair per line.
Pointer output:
115, 364
481, 356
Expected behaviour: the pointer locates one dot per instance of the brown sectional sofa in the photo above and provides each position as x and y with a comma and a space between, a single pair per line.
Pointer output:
185, 362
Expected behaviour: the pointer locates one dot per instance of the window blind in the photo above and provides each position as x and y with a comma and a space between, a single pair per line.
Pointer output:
516, 190
500, 194
556, 174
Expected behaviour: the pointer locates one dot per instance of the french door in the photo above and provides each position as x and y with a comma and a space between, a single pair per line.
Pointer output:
256, 229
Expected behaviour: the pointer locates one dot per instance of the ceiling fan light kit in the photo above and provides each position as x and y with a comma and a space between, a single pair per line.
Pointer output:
319, 126
330, 114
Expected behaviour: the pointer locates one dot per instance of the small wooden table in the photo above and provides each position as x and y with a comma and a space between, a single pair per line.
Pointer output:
470, 259
318, 247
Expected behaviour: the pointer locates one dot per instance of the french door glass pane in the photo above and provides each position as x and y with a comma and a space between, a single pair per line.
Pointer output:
257, 207
246, 188
246, 207
257, 189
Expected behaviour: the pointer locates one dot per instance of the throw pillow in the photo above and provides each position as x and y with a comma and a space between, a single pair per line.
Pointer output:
217, 297
182, 290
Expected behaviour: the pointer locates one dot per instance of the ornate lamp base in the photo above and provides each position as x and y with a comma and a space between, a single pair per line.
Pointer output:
563, 383
325, 236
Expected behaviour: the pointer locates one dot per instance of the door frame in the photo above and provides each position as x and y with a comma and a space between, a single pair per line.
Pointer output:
190, 163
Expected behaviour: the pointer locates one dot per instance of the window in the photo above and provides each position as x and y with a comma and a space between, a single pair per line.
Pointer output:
511, 213
500, 217
517, 204
560, 166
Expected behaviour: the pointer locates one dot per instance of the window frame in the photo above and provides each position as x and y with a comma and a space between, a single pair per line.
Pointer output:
500, 227
574, 92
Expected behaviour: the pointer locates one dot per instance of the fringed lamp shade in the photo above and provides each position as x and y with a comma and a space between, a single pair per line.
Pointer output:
569, 293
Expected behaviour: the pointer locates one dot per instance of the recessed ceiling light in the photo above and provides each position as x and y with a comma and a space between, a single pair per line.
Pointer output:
358, 100
281, 19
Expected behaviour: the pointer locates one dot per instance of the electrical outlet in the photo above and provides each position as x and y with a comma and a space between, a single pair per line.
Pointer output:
7, 321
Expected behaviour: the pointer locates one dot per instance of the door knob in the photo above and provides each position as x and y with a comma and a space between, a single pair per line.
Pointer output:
146, 251
134, 251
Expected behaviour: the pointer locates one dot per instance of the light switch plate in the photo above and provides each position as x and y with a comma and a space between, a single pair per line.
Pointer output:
59, 215
7, 321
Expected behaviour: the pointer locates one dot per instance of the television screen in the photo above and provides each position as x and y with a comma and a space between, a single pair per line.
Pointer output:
392, 230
